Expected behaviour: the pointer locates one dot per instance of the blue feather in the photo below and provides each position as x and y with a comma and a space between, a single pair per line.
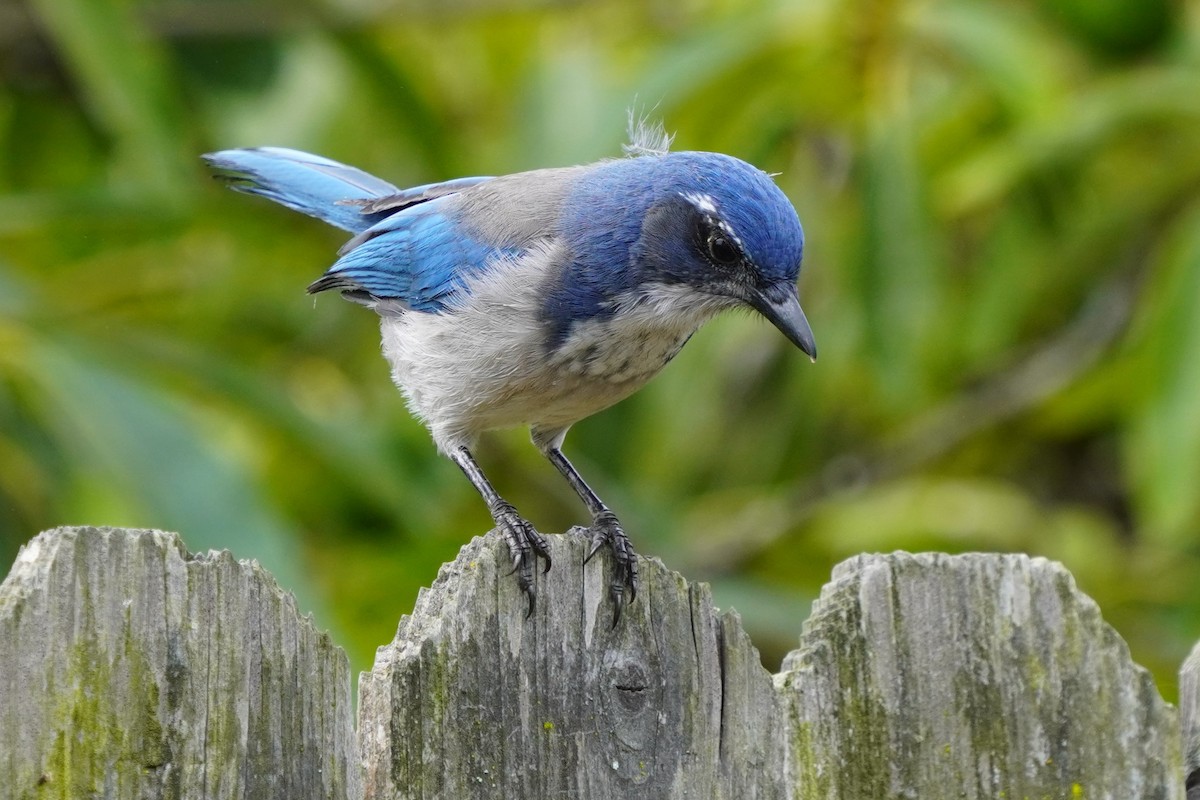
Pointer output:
419, 256
341, 195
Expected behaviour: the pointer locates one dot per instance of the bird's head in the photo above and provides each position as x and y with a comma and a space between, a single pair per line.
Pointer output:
720, 228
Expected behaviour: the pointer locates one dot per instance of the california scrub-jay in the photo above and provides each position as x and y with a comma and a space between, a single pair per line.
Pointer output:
542, 297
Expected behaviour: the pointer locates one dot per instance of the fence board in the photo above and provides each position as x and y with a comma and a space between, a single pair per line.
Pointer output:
132, 669
974, 676
472, 700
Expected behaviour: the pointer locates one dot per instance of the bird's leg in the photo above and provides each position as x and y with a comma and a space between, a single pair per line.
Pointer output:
524, 543
605, 530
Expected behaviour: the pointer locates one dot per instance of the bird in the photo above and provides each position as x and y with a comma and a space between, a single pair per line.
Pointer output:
539, 298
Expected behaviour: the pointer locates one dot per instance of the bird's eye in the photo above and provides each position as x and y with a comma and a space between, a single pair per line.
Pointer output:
721, 249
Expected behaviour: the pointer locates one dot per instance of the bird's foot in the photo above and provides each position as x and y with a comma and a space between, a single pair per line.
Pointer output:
606, 529
526, 546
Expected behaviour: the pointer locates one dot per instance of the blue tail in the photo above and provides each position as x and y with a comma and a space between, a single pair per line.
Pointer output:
306, 183
340, 195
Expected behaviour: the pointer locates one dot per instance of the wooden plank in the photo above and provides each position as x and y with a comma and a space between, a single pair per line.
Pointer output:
473, 700
975, 676
132, 669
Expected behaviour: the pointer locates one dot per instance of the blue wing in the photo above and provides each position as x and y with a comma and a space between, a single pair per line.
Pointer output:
419, 256
341, 195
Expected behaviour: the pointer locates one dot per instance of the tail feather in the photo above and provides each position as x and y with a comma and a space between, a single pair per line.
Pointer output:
319, 187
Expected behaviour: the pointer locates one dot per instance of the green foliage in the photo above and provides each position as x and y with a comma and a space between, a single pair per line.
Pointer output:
1002, 201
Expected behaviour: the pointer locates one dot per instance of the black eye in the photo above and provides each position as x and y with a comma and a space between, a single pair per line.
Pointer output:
721, 250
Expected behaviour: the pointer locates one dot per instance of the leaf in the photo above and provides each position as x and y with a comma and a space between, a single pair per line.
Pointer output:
901, 276
1078, 126
1162, 442
125, 80
1015, 58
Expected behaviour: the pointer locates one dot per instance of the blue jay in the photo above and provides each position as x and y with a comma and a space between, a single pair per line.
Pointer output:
539, 298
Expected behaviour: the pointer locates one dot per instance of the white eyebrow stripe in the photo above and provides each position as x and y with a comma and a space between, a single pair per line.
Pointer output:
704, 202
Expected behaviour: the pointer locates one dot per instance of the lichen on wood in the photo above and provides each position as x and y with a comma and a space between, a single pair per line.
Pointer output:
974, 676
473, 700
130, 668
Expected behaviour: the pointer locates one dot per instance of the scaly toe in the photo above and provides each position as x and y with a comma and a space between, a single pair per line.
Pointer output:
525, 546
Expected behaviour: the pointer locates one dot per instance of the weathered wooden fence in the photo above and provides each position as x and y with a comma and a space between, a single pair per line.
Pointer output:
130, 668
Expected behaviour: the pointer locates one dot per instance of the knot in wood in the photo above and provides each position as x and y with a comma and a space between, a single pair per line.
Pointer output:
629, 681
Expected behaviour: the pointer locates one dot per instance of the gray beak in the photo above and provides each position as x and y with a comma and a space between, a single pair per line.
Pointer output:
781, 305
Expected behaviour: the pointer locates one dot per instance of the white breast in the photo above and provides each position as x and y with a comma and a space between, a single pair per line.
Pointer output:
485, 364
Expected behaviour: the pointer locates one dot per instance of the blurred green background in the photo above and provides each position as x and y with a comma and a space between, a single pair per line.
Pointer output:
1002, 202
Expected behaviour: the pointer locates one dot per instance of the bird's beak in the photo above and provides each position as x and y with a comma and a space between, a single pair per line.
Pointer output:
781, 305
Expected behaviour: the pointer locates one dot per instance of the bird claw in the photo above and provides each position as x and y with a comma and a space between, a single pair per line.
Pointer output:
598, 541
607, 530
525, 545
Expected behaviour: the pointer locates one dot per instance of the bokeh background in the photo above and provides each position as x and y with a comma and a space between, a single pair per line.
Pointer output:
1002, 201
